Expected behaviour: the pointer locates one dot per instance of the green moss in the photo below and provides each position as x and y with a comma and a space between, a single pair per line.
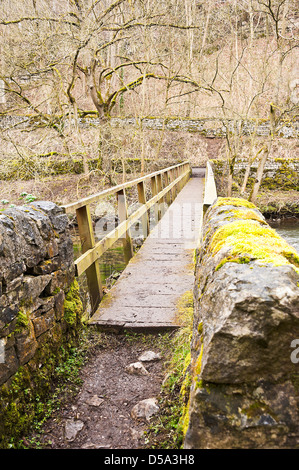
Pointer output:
25, 401
22, 321
231, 259
185, 309
247, 239
284, 176
256, 409
11, 169
234, 201
248, 214
73, 308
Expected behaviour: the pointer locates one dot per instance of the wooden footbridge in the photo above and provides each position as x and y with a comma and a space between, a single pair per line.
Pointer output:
146, 294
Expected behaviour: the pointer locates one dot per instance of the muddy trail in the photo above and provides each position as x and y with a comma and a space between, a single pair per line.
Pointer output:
102, 414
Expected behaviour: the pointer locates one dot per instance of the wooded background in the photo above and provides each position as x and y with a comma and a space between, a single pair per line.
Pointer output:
234, 59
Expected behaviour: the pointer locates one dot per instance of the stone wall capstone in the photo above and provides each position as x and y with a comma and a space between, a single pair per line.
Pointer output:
245, 383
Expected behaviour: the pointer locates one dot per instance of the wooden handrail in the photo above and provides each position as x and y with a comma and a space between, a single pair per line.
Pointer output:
176, 177
107, 192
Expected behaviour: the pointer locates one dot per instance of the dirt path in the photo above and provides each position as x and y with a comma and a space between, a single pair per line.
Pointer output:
99, 416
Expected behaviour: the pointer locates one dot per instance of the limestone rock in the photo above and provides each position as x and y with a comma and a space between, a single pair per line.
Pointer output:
136, 368
250, 317
59, 220
145, 409
26, 344
43, 322
72, 428
244, 391
149, 356
94, 401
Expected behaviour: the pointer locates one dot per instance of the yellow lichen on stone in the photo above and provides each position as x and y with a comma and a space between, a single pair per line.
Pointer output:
197, 368
184, 422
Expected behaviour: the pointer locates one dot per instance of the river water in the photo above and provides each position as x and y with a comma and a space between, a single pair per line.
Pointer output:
289, 230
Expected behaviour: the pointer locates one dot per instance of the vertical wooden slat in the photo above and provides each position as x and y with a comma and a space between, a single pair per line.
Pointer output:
87, 242
123, 215
142, 200
188, 167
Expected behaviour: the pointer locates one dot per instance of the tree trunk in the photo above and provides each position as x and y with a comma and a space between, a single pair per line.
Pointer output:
259, 174
245, 180
247, 172
79, 137
260, 170
229, 184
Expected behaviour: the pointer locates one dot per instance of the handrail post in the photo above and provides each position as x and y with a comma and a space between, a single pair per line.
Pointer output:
172, 178
93, 273
154, 193
182, 182
123, 215
142, 200
159, 189
186, 167
168, 181
175, 176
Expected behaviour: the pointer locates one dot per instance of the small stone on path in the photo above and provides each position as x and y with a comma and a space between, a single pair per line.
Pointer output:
94, 401
148, 356
136, 368
72, 428
145, 409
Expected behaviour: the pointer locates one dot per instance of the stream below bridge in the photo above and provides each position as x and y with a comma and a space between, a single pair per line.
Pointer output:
289, 230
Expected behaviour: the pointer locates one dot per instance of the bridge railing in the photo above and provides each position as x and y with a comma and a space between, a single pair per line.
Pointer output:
165, 184
210, 192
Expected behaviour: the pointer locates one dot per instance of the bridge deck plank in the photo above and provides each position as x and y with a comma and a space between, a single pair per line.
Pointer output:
146, 294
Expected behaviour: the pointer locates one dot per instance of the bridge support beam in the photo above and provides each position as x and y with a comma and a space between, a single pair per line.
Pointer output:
93, 273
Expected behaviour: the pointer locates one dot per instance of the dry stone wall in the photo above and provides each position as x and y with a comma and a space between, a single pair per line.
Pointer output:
209, 127
245, 374
36, 319
279, 173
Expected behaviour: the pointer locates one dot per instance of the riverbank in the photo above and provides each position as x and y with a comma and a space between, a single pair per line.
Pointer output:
281, 205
